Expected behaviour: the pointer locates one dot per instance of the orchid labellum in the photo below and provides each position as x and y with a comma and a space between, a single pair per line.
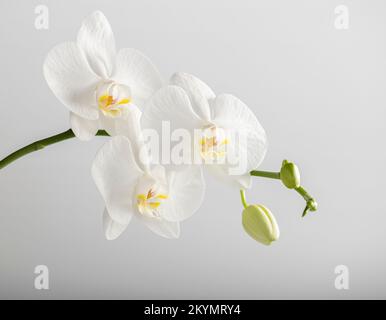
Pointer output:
121, 95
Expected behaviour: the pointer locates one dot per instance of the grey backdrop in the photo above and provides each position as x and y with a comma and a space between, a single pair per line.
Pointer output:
318, 91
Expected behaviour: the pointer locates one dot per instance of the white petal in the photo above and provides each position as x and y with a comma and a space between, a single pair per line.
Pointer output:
137, 71
245, 181
166, 229
171, 104
130, 127
126, 125
111, 228
116, 173
221, 172
96, 39
108, 124
71, 79
159, 174
133, 124
199, 92
186, 193
83, 129
231, 113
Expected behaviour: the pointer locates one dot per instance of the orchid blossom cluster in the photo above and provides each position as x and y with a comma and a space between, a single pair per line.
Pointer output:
121, 95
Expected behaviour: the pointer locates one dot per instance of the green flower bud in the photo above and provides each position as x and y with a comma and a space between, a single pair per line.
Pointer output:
290, 175
312, 204
260, 224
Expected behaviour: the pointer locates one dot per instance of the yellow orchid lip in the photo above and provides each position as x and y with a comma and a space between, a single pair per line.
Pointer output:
110, 106
150, 202
212, 145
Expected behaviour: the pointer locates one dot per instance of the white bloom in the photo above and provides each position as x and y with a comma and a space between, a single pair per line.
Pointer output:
131, 187
99, 86
189, 103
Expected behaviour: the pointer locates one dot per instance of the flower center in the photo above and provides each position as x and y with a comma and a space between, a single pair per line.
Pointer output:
213, 143
148, 204
112, 98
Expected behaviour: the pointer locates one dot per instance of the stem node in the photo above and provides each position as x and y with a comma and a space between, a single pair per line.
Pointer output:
311, 204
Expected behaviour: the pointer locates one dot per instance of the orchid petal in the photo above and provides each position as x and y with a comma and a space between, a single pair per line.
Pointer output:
170, 104
224, 174
158, 173
161, 227
199, 93
137, 71
108, 124
130, 127
84, 129
186, 194
96, 39
111, 228
71, 80
116, 173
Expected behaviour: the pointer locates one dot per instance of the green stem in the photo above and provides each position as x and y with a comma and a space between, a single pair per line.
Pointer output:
265, 174
311, 204
243, 200
41, 144
303, 193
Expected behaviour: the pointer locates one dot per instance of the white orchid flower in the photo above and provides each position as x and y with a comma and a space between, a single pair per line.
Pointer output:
189, 103
99, 86
131, 187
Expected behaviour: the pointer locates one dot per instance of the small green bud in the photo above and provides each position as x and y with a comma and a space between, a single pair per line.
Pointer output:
290, 175
312, 205
260, 224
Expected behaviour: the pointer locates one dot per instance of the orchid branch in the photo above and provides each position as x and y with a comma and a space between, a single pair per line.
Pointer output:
265, 174
289, 173
243, 199
41, 144
290, 176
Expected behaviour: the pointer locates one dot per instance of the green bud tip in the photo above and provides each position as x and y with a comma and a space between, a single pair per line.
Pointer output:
260, 224
312, 205
290, 175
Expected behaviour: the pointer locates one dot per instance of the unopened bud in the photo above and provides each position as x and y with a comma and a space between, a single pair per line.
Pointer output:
260, 224
290, 175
